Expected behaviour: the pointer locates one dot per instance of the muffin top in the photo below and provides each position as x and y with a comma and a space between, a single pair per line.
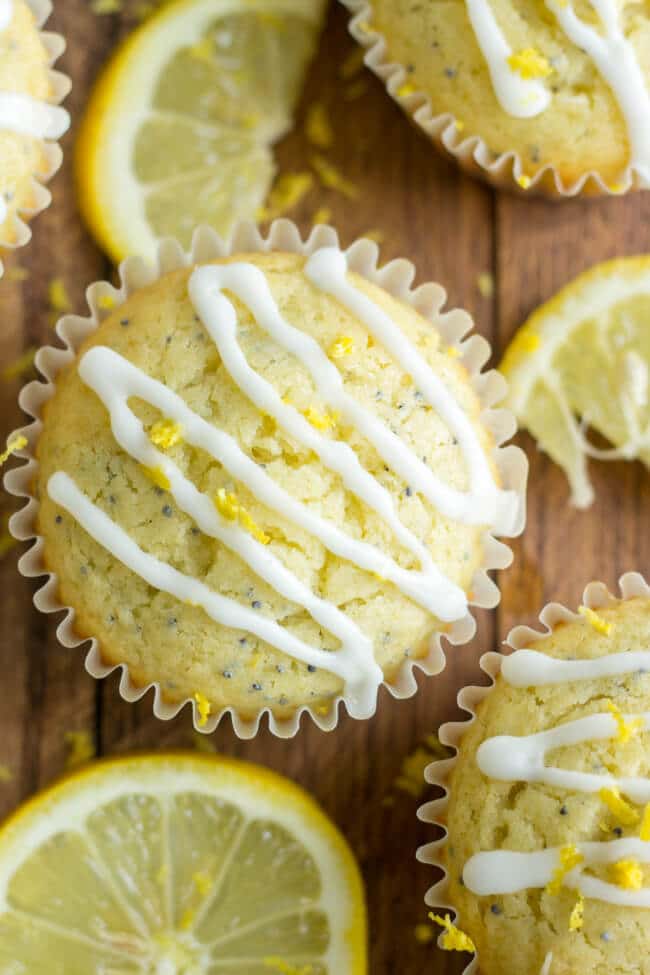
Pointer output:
560, 82
26, 118
549, 816
266, 481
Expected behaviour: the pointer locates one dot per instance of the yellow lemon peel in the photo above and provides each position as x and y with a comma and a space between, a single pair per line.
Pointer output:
106, 302
645, 825
341, 347
424, 934
529, 63
627, 728
166, 434
570, 858
406, 89
577, 917
158, 476
332, 178
6, 775
322, 215
411, 777
17, 442
321, 421
620, 809
627, 874
58, 296
453, 939
228, 506
485, 284
204, 708
318, 127
107, 6
599, 624
20, 365
80, 748
286, 194
524, 181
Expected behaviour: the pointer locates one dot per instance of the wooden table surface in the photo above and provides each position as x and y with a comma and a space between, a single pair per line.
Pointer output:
453, 229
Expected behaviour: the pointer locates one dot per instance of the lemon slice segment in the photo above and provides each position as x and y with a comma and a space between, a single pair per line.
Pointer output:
180, 124
177, 865
583, 361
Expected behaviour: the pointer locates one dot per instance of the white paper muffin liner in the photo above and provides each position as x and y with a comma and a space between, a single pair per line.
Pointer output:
60, 85
596, 596
395, 277
470, 151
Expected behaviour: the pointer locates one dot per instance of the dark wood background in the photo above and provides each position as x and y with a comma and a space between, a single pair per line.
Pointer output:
453, 229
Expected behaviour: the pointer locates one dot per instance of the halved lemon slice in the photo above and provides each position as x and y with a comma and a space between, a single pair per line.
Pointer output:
179, 126
177, 865
583, 361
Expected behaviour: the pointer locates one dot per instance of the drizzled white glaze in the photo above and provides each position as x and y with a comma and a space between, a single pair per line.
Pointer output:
519, 97
523, 759
611, 51
114, 379
529, 668
505, 872
6, 13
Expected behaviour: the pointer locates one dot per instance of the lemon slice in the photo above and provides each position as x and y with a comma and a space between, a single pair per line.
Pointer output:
177, 865
179, 126
583, 361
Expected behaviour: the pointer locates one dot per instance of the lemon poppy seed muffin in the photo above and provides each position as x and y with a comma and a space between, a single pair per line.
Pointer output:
548, 850
28, 117
246, 496
561, 84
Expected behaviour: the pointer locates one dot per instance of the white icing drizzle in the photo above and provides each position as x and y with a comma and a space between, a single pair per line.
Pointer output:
6, 13
529, 668
505, 872
25, 115
344, 662
115, 380
519, 97
611, 51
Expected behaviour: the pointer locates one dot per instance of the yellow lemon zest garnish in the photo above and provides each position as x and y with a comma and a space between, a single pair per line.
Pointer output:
570, 857
279, 965
341, 347
107, 6
58, 295
452, 351
423, 934
529, 63
622, 810
353, 64
322, 710
81, 748
17, 442
322, 421
406, 89
577, 918
453, 939
228, 506
645, 825
322, 215
286, 194
459, 125
332, 179
524, 181
16, 273
202, 882
158, 476
627, 729
318, 128
616, 188
599, 624
106, 302
186, 920
6, 775
204, 708
20, 365
411, 777
166, 434
485, 284
627, 874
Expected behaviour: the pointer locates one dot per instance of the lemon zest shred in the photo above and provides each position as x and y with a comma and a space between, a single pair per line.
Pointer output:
627, 874
58, 295
570, 857
6, 775
485, 284
204, 708
80, 748
627, 729
228, 506
620, 809
106, 302
411, 778
529, 63
406, 89
524, 181
101, 7
322, 215
453, 939
318, 127
452, 351
20, 365
17, 442
286, 194
645, 825
424, 934
322, 421
332, 178
577, 917
158, 476
599, 624
166, 434
341, 347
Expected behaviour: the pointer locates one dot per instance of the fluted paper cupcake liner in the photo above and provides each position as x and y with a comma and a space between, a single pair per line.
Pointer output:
470, 151
60, 86
596, 596
395, 277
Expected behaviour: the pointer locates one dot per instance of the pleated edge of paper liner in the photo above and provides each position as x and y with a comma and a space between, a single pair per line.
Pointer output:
396, 277
596, 596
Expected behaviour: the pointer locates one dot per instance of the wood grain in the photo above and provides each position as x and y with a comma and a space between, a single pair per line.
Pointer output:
453, 229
